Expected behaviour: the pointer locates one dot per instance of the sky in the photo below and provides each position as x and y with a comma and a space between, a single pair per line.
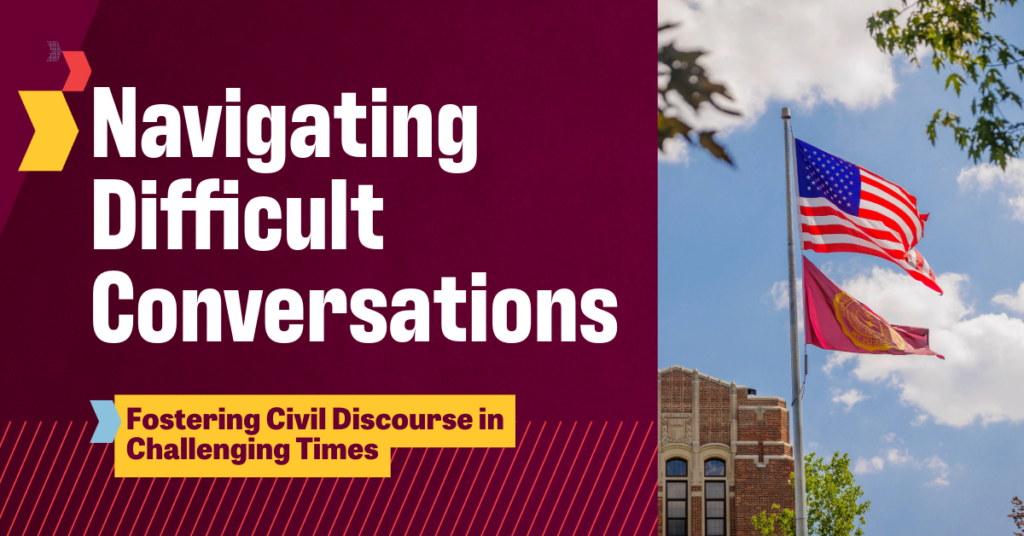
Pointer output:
936, 445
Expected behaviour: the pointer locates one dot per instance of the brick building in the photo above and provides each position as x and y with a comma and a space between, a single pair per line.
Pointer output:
723, 463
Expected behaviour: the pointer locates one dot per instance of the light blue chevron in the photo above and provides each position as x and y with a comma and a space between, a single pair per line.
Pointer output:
109, 423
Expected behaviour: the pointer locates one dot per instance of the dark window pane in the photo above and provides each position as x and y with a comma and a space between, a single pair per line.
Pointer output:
676, 467
714, 468
716, 527
676, 490
716, 509
676, 527
677, 509
715, 490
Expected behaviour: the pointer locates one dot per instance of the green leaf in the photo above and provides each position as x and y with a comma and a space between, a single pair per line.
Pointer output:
957, 81
834, 506
707, 141
688, 81
974, 58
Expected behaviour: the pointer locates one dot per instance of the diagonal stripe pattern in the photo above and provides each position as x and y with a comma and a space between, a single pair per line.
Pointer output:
434, 491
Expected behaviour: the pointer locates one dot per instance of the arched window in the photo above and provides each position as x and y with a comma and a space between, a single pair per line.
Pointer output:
675, 497
714, 497
714, 467
675, 467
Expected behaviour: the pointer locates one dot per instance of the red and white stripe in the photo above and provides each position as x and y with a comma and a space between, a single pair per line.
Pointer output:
888, 203
888, 226
913, 262
918, 268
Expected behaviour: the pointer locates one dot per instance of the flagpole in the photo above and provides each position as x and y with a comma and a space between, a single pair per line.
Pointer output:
799, 488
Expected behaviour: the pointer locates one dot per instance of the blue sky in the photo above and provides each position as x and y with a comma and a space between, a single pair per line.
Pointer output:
937, 445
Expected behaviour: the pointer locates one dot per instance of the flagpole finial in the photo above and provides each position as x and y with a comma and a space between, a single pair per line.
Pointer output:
785, 113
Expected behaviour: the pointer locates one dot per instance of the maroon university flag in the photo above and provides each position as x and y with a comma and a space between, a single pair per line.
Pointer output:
834, 320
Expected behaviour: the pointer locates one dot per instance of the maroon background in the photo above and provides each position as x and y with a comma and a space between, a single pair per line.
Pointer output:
27, 27
563, 195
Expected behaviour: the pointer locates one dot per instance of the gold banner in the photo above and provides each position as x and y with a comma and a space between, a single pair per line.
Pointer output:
298, 435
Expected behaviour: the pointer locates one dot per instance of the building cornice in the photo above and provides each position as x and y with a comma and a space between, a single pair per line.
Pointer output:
720, 382
702, 375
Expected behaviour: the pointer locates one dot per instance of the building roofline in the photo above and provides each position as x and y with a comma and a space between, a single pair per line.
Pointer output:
719, 381
711, 378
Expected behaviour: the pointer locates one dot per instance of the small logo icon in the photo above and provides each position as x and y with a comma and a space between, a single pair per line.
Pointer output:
54, 52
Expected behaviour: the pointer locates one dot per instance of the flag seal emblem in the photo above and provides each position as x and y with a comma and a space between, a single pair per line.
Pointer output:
863, 327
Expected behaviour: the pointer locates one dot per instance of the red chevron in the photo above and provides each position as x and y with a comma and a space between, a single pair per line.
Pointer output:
80, 70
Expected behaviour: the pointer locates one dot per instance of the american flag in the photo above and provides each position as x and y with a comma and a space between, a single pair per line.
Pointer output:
846, 208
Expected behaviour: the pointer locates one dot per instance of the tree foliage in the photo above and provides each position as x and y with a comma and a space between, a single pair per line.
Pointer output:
689, 81
780, 522
1017, 515
955, 34
832, 502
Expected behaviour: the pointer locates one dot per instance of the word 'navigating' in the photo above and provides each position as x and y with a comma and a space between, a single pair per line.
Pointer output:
311, 135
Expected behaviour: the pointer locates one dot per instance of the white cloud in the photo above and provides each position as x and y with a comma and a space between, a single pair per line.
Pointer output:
850, 398
873, 465
800, 52
983, 370
864, 466
1013, 302
986, 177
902, 458
779, 294
896, 457
936, 464
836, 361
675, 151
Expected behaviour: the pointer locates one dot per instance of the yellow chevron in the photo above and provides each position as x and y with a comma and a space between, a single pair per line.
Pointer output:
55, 130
